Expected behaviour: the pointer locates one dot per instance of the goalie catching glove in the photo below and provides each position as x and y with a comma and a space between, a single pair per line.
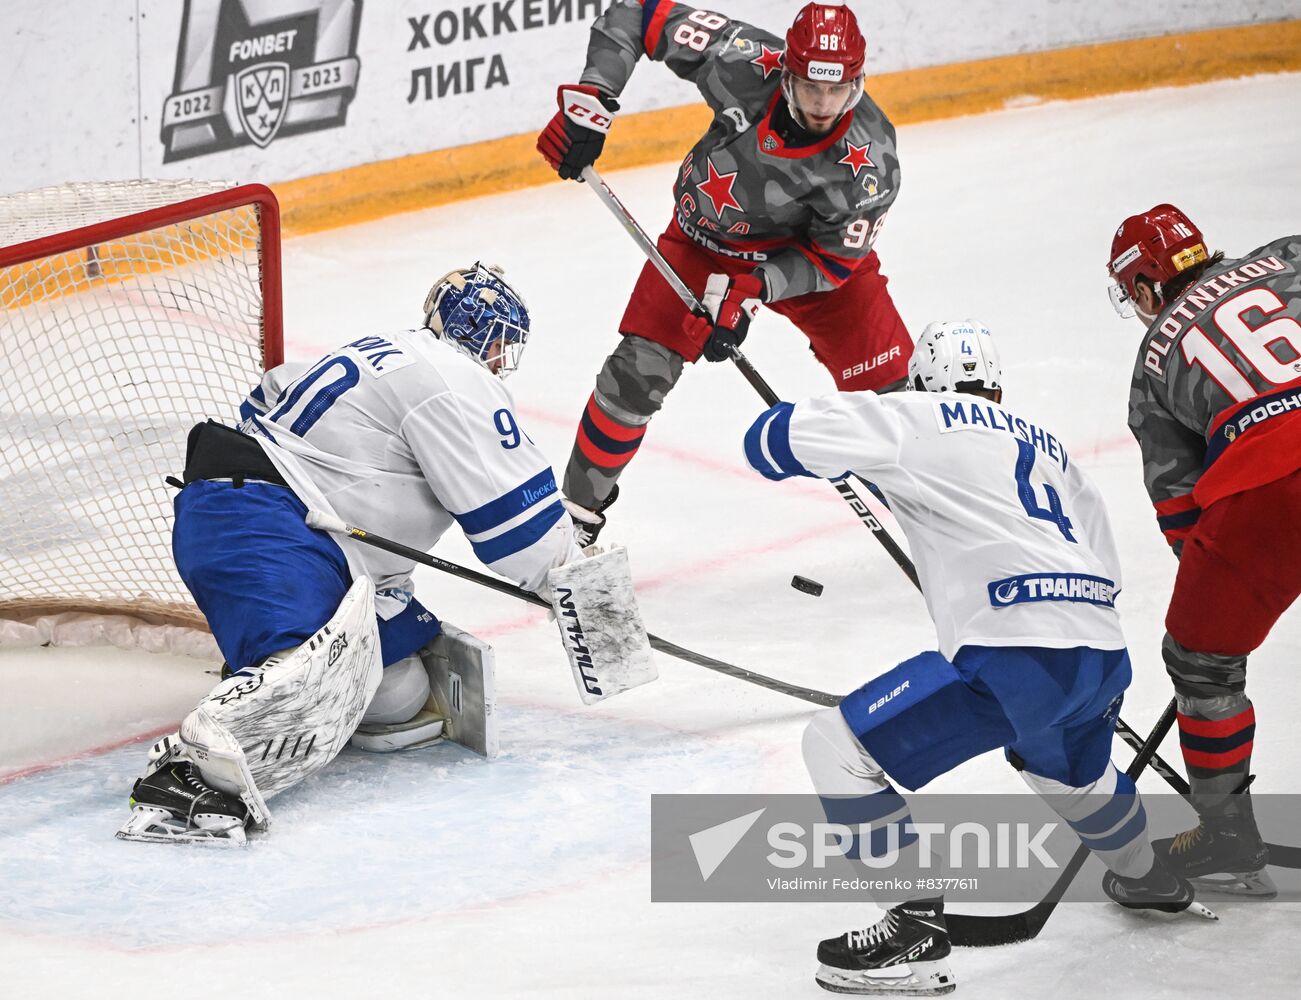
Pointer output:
732, 302
574, 137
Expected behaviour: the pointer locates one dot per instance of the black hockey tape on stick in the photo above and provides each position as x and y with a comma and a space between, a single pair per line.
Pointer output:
806, 586
328, 522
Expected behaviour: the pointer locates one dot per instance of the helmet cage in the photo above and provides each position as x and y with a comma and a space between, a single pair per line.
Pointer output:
479, 314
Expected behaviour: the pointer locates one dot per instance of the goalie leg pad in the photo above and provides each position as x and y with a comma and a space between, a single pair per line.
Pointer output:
463, 688
601, 625
256, 735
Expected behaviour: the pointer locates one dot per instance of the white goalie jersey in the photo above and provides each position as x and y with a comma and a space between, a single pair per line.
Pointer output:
1011, 540
403, 435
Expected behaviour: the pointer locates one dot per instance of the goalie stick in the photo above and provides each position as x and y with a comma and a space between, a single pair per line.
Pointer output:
327, 522
751, 374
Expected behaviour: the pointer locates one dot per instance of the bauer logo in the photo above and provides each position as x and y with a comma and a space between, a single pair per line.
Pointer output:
1031, 588
249, 72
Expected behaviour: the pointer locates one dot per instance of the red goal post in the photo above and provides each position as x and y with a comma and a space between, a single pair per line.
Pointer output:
128, 312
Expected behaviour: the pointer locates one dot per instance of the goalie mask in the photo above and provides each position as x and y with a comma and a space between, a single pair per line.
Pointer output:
955, 355
478, 313
822, 76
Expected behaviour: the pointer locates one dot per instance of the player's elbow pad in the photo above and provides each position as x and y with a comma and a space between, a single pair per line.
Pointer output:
768, 446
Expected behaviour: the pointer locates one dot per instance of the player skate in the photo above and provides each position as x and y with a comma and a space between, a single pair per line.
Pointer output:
172, 804
1160, 889
902, 954
1223, 853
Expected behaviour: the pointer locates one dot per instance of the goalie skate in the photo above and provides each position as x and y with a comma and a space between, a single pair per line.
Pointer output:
902, 954
172, 805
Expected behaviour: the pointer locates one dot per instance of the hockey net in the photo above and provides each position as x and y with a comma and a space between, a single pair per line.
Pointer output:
128, 312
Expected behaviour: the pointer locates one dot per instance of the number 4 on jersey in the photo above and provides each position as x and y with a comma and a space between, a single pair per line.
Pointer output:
1053, 513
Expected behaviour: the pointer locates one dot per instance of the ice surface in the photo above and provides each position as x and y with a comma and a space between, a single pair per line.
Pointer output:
437, 874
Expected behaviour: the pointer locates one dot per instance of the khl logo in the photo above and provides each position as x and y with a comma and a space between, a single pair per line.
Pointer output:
249, 71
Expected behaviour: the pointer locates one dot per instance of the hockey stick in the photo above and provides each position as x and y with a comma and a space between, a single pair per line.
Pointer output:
751, 375
972, 931
327, 522
1288, 857
1280, 855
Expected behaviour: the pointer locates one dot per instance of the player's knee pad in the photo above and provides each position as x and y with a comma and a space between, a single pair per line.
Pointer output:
836, 761
1202, 675
256, 735
635, 379
402, 692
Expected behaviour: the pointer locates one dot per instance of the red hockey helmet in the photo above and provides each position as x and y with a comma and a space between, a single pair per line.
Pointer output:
1159, 244
825, 45
823, 74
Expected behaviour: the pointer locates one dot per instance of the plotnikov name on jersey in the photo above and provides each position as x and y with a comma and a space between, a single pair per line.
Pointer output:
1198, 298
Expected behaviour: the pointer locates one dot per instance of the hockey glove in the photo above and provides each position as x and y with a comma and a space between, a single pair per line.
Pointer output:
573, 138
732, 303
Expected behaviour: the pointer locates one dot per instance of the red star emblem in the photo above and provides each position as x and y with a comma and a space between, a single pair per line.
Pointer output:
769, 60
857, 157
718, 189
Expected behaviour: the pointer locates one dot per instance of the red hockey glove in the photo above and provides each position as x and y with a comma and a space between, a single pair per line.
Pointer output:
573, 138
732, 303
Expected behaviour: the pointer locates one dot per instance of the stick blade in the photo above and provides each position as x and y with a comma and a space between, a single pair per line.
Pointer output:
974, 931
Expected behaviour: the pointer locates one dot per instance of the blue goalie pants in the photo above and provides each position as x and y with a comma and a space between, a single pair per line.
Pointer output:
1052, 710
265, 580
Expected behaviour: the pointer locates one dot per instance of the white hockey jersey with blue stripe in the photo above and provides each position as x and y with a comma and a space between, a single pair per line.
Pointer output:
403, 434
1011, 540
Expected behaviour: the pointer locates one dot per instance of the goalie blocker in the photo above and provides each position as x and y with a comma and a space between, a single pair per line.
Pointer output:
593, 601
600, 624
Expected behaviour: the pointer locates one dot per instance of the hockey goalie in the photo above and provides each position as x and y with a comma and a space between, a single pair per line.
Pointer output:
324, 639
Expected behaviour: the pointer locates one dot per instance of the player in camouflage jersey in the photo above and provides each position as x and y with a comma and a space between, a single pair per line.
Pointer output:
779, 202
1216, 407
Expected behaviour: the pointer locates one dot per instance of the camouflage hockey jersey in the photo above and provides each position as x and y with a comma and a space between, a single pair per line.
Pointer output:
807, 215
1215, 401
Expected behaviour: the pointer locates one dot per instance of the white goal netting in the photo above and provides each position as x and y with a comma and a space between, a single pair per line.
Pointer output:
116, 340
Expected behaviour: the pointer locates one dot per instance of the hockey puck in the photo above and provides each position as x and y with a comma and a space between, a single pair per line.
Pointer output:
806, 586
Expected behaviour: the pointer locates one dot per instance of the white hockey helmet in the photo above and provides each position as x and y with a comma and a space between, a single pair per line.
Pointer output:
954, 354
